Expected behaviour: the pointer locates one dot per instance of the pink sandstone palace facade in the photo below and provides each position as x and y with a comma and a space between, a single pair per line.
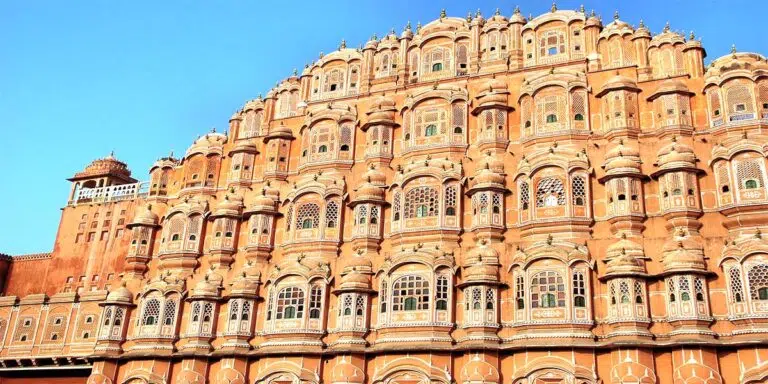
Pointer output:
479, 200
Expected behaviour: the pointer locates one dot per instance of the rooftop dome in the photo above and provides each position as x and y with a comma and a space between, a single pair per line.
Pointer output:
356, 273
243, 146
624, 257
616, 26
106, 166
208, 287
210, 142
369, 192
517, 17
279, 132
263, 203
375, 176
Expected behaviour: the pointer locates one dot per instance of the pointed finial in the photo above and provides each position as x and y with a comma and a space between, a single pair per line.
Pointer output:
408, 26
733, 48
442, 13
478, 13
295, 72
517, 10
666, 27
497, 13
592, 14
112, 153
616, 15
213, 129
392, 31
641, 25
554, 6
691, 36
581, 9
321, 54
343, 44
170, 155
418, 26
375, 37
469, 16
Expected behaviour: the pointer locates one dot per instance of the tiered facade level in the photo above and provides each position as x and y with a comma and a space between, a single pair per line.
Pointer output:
473, 201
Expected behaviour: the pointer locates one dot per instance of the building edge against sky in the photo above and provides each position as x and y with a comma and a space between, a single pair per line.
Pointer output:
474, 200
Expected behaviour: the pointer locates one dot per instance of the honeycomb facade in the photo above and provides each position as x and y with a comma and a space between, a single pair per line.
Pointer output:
475, 201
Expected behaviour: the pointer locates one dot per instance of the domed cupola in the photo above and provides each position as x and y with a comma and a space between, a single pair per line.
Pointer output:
120, 296
106, 166
675, 156
231, 206
642, 31
355, 274
481, 265
624, 257
244, 286
212, 142
208, 288
683, 253
616, 27
622, 160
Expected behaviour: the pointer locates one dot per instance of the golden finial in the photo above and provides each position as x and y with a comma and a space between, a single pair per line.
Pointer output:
408, 26
592, 14
733, 48
581, 9
375, 37
691, 36
478, 13
497, 13
666, 27
321, 54
442, 13
343, 44
469, 16
554, 6
616, 15
641, 25
418, 26
517, 10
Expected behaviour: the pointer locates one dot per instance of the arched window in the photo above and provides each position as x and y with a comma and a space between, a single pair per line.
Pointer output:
551, 118
547, 290
323, 149
430, 130
578, 117
437, 67
151, 312
441, 293
169, 313
315, 301
757, 276
750, 184
290, 303
525, 196
550, 192
579, 290
735, 284
308, 216
580, 191
410, 293
520, 292
421, 202
331, 214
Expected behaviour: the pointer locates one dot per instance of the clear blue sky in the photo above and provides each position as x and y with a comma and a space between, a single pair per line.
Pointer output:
79, 79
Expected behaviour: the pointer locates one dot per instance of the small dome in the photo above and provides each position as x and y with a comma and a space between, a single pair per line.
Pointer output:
236, 116
618, 82
622, 159
676, 155
370, 192
120, 296
624, 257
207, 288
487, 178
263, 204
280, 132
375, 176
482, 253
254, 104
670, 86
145, 217
493, 92
517, 17
244, 286
355, 280
210, 142
476, 370
683, 253
355, 273
229, 207
106, 166
243, 146
481, 273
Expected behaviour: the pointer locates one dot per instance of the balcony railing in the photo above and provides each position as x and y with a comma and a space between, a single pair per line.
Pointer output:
111, 193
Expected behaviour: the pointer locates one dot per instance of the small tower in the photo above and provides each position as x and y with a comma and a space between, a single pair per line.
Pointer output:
143, 229
89, 184
114, 323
